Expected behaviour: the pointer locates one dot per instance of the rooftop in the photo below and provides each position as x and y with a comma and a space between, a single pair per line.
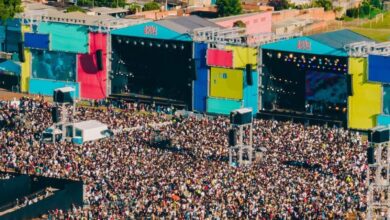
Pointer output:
338, 39
186, 24
106, 10
90, 124
236, 16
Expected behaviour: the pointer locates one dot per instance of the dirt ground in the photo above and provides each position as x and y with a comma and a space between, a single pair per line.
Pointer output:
7, 95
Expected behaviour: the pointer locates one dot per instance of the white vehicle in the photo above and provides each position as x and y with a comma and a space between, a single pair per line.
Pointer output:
91, 130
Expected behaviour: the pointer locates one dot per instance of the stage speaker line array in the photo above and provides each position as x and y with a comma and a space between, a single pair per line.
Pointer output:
370, 155
21, 51
349, 85
248, 73
99, 59
232, 138
55, 114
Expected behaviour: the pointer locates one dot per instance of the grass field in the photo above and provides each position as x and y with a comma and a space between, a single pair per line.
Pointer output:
379, 31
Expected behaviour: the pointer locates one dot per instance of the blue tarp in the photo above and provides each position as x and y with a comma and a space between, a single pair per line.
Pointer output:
10, 66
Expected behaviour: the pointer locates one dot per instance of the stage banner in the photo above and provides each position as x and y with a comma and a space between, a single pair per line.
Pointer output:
219, 58
226, 83
379, 68
365, 104
93, 82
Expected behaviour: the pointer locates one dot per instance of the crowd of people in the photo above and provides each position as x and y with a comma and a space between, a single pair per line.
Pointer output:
127, 177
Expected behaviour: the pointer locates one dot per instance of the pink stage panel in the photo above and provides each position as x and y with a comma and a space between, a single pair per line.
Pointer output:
219, 58
93, 83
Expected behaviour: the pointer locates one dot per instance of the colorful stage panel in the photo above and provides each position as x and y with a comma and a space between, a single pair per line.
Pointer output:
365, 104
226, 83
36, 41
66, 37
222, 106
220, 58
379, 68
251, 93
26, 65
386, 99
93, 82
201, 83
53, 65
383, 120
243, 56
47, 87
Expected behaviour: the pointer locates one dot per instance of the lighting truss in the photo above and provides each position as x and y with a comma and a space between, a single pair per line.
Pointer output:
365, 48
237, 36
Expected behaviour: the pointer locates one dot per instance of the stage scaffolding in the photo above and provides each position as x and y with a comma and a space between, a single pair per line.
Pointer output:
365, 48
378, 182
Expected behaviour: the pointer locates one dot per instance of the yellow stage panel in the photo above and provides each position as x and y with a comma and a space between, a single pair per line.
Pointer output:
243, 56
226, 83
26, 66
365, 103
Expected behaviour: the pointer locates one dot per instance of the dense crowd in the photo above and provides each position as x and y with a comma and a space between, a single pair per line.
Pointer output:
128, 178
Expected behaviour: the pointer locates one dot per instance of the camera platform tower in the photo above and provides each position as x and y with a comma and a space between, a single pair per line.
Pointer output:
378, 173
240, 137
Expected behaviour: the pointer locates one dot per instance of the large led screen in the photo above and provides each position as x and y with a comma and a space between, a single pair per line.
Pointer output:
326, 87
53, 65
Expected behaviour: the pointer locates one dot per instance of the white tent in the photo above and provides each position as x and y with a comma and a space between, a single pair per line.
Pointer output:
90, 130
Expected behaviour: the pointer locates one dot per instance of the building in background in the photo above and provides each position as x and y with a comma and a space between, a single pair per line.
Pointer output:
255, 23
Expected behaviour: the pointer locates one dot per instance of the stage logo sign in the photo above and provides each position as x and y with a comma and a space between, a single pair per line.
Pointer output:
304, 45
150, 30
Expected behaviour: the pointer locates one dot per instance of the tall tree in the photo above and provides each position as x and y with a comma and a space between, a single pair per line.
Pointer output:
228, 7
150, 6
279, 4
326, 4
8, 8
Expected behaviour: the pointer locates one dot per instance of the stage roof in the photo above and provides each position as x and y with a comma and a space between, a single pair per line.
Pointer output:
330, 43
178, 28
10, 66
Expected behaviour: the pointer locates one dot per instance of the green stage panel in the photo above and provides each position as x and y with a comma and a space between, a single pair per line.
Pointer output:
66, 37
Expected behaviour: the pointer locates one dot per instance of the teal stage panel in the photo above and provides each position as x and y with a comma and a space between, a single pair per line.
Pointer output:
47, 87
66, 37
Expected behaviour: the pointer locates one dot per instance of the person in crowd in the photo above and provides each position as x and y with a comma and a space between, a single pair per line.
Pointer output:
127, 177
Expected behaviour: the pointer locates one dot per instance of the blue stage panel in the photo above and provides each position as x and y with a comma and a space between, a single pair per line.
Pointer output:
379, 69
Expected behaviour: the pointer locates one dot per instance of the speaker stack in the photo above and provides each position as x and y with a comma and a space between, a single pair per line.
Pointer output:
379, 135
21, 51
241, 116
55, 114
99, 59
248, 73
349, 85
63, 95
232, 138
